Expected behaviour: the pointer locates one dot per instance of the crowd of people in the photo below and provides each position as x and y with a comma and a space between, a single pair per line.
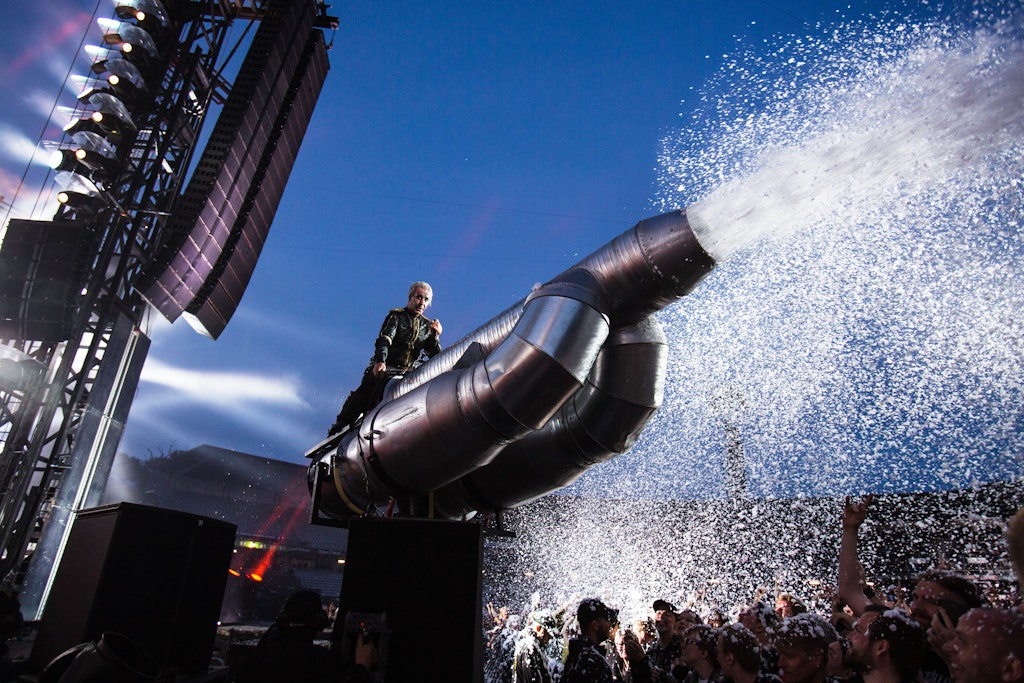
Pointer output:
944, 630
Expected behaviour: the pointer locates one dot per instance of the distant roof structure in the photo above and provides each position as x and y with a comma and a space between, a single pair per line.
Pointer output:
267, 499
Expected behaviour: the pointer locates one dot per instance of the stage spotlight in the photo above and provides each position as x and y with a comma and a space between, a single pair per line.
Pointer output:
64, 160
78, 193
91, 153
111, 113
136, 43
148, 13
124, 81
95, 143
18, 375
88, 124
80, 203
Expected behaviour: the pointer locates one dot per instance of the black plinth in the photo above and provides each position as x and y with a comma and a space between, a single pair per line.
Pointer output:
425, 575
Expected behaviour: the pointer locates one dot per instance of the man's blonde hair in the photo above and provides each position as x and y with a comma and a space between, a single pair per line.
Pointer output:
421, 285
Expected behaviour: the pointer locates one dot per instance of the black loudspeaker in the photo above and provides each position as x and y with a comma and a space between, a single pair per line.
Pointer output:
156, 576
43, 267
423, 576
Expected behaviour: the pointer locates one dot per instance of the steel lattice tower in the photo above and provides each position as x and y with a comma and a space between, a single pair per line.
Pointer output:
66, 387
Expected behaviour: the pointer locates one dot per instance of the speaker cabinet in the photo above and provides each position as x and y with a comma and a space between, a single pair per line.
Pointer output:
154, 575
424, 575
43, 267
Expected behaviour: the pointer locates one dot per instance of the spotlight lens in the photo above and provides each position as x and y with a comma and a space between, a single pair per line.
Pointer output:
63, 197
80, 154
97, 116
56, 159
127, 47
113, 79
140, 16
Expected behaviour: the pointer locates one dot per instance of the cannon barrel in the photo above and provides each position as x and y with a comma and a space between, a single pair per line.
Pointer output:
564, 379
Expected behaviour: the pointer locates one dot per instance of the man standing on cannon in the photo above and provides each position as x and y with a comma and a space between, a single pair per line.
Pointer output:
405, 335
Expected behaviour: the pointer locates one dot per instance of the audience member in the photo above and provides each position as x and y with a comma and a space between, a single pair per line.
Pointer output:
684, 620
662, 654
988, 647
586, 663
717, 618
700, 653
788, 605
645, 632
802, 643
632, 665
887, 646
286, 651
530, 663
763, 621
739, 656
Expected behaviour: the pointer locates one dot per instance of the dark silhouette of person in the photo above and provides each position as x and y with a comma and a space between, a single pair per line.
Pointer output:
287, 652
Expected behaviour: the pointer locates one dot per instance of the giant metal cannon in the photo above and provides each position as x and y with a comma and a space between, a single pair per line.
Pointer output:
564, 379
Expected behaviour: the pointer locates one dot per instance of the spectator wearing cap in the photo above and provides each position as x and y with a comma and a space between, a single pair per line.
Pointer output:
663, 653
739, 656
803, 646
585, 662
530, 664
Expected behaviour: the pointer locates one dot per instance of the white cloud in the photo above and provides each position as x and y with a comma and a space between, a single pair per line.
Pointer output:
222, 389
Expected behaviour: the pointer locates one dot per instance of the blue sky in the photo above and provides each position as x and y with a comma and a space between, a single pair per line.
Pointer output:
485, 147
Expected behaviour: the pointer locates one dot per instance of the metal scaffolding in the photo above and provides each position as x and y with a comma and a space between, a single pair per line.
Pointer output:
63, 402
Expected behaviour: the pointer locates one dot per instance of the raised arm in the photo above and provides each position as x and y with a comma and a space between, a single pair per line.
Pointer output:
851, 573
